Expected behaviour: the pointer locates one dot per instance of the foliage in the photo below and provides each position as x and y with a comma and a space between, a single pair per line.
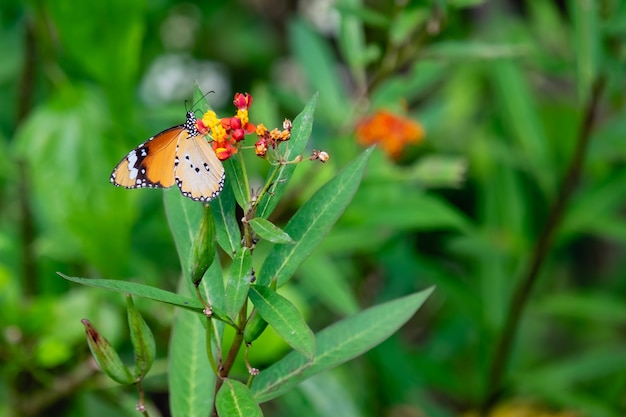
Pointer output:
511, 205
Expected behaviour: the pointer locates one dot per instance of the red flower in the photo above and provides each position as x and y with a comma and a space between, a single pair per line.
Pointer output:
242, 101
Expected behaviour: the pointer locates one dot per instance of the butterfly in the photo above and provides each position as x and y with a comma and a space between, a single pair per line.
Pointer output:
179, 155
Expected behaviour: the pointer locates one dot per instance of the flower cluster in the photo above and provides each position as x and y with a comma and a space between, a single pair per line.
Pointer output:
390, 131
228, 131
270, 139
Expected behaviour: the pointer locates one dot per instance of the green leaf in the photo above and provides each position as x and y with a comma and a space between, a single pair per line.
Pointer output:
238, 282
140, 290
407, 23
268, 231
465, 3
235, 171
312, 222
235, 400
370, 17
337, 344
404, 207
300, 132
519, 111
285, 318
465, 50
146, 291
227, 228
200, 98
183, 216
571, 370
328, 394
142, 339
586, 43
352, 38
320, 275
595, 204
316, 60
191, 379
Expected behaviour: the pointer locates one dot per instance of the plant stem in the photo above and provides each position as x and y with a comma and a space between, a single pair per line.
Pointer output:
542, 247
225, 368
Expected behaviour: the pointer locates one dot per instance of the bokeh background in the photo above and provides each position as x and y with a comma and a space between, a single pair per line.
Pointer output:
477, 107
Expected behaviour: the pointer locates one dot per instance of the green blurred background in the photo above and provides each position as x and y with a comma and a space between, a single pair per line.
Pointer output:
500, 88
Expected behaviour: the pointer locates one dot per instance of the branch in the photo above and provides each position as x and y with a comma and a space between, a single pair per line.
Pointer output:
541, 250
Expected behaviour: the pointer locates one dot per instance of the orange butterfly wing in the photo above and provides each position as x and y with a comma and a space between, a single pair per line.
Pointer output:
151, 164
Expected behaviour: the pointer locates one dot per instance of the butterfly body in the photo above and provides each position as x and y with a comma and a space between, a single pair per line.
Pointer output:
179, 155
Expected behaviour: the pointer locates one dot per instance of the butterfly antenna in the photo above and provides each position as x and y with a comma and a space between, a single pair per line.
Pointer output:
198, 101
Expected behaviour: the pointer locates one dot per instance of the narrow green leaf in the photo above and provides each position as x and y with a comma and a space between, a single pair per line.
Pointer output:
183, 217
522, 121
370, 17
285, 318
200, 97
235, 400
405, 24
318, 63
300, 133
191, 379
142, 339
146, 291
320, 275
238, 282
227, 228
235, 171
312, 222
327, 394
337, 344
352, 39
268, 231
570, 370
399, 203
140, 290
586, 43
106, 357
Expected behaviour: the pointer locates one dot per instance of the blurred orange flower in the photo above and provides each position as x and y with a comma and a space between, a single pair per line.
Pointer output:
390, 131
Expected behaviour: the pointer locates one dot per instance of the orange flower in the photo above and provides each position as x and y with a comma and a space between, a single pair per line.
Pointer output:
269, 139
260, 148
390, 131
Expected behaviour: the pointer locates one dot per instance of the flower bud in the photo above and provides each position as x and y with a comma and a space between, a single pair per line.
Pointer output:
255, 327
141, 338
106, 357
203, 247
